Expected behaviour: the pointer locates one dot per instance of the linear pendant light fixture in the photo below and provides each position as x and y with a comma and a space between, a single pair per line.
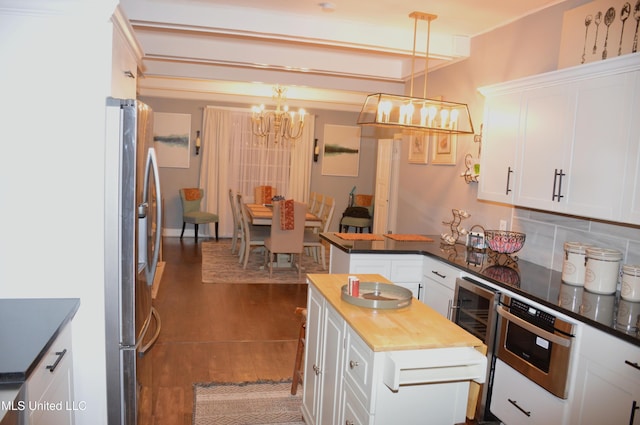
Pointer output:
415, 113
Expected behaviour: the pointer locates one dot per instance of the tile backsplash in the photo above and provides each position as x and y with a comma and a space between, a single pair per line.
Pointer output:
547, 233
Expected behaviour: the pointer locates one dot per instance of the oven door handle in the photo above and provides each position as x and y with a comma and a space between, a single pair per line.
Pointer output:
551, 337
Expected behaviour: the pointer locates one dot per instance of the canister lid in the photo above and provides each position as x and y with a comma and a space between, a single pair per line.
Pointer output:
604, 254
576, 247
631, 269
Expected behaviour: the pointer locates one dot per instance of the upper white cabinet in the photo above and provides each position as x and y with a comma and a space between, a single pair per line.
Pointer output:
566, 141
124, 62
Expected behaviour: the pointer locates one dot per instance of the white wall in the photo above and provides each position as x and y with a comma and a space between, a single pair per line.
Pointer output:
51, 170
427, 193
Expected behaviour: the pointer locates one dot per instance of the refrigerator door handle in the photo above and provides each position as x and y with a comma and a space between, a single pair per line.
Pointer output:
152, 166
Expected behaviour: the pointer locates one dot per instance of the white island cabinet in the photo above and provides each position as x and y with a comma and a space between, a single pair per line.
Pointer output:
366, 366
49, 388
404, 270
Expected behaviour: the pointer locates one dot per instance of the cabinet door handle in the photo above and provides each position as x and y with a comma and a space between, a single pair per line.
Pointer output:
438, 274
557, 182
515, 403
634, 407
509, 171
353, 364
60, 355
632, 364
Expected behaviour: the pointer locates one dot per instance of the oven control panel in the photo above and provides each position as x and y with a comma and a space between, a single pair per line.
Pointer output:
533, 315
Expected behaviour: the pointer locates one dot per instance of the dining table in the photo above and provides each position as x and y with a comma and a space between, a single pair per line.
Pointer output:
262, 215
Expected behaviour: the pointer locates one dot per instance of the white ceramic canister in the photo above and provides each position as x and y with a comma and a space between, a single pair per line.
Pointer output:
602, 271
574, 264
630, 288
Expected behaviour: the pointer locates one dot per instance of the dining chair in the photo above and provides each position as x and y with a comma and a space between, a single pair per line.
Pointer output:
286, 241
360, 215
317, 204
237, 221
311, 240
191, 213
253, 236
264, 194
311, 203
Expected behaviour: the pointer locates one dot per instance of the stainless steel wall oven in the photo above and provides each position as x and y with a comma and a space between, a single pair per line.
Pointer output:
474, 309
535, 343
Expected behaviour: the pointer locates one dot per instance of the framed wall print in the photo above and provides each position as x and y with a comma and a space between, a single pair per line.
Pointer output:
443, 148
418, 148
171, 139
341, 152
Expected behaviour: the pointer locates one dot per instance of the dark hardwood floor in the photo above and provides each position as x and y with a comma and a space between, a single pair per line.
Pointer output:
213, 332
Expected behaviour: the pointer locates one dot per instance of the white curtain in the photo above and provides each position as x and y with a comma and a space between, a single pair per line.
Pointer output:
233, 158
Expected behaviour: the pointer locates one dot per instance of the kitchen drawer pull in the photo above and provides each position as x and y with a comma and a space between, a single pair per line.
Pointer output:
515, 403
60, 355
439, 274
632, 364
353, 364
554, 338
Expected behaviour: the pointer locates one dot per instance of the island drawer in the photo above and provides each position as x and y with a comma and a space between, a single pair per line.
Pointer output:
359, 368
354, 412
440, 272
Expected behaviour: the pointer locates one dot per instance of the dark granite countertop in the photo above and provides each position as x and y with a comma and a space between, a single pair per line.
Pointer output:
29, 327
530, 280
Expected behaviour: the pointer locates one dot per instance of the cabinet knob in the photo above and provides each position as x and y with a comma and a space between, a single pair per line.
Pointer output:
316, 369
353, 364
348, 422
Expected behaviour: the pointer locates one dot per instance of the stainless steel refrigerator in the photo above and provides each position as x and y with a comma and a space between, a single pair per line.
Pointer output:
133, 218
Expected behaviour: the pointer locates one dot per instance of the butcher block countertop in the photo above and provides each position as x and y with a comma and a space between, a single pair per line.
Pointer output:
415, 327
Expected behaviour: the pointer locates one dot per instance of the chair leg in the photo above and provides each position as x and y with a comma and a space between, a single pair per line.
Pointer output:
322, 250
182, 233
216, 231
297, 371
196, 230
270, 264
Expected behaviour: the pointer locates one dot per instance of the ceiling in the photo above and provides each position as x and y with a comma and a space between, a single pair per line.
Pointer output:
331, 57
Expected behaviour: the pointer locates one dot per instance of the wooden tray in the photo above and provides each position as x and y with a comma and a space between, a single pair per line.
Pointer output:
382, 296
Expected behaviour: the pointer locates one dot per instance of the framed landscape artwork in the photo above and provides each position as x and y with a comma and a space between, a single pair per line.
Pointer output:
341, 152
171, 139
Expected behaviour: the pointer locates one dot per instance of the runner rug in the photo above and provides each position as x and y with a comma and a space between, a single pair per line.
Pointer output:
219, 265
246, 404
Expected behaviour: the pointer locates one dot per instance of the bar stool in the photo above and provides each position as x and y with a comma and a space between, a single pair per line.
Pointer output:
298, 366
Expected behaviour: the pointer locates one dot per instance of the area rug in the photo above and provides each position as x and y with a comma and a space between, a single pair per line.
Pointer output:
219, 265
246, 404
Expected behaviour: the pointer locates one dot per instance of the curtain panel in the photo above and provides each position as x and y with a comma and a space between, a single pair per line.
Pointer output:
233, 158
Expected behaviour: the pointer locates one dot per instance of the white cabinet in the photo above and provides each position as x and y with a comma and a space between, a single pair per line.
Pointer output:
575, 140
323, 366
518, 401
607, 388
49, 389
124, 65
439, 282
404, 270
500, 133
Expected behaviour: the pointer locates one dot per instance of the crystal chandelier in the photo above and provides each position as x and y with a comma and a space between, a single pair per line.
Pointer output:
284, 124
415, 113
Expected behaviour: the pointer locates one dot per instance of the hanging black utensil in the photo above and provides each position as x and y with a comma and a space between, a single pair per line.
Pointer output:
608, 20
597, 21
587, 22
624, 14
636, 15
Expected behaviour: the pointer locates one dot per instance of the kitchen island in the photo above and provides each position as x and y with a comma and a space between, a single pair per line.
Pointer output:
531, 281
372, 366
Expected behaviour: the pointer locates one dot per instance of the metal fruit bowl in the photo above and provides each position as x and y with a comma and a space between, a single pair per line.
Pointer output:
503, 241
